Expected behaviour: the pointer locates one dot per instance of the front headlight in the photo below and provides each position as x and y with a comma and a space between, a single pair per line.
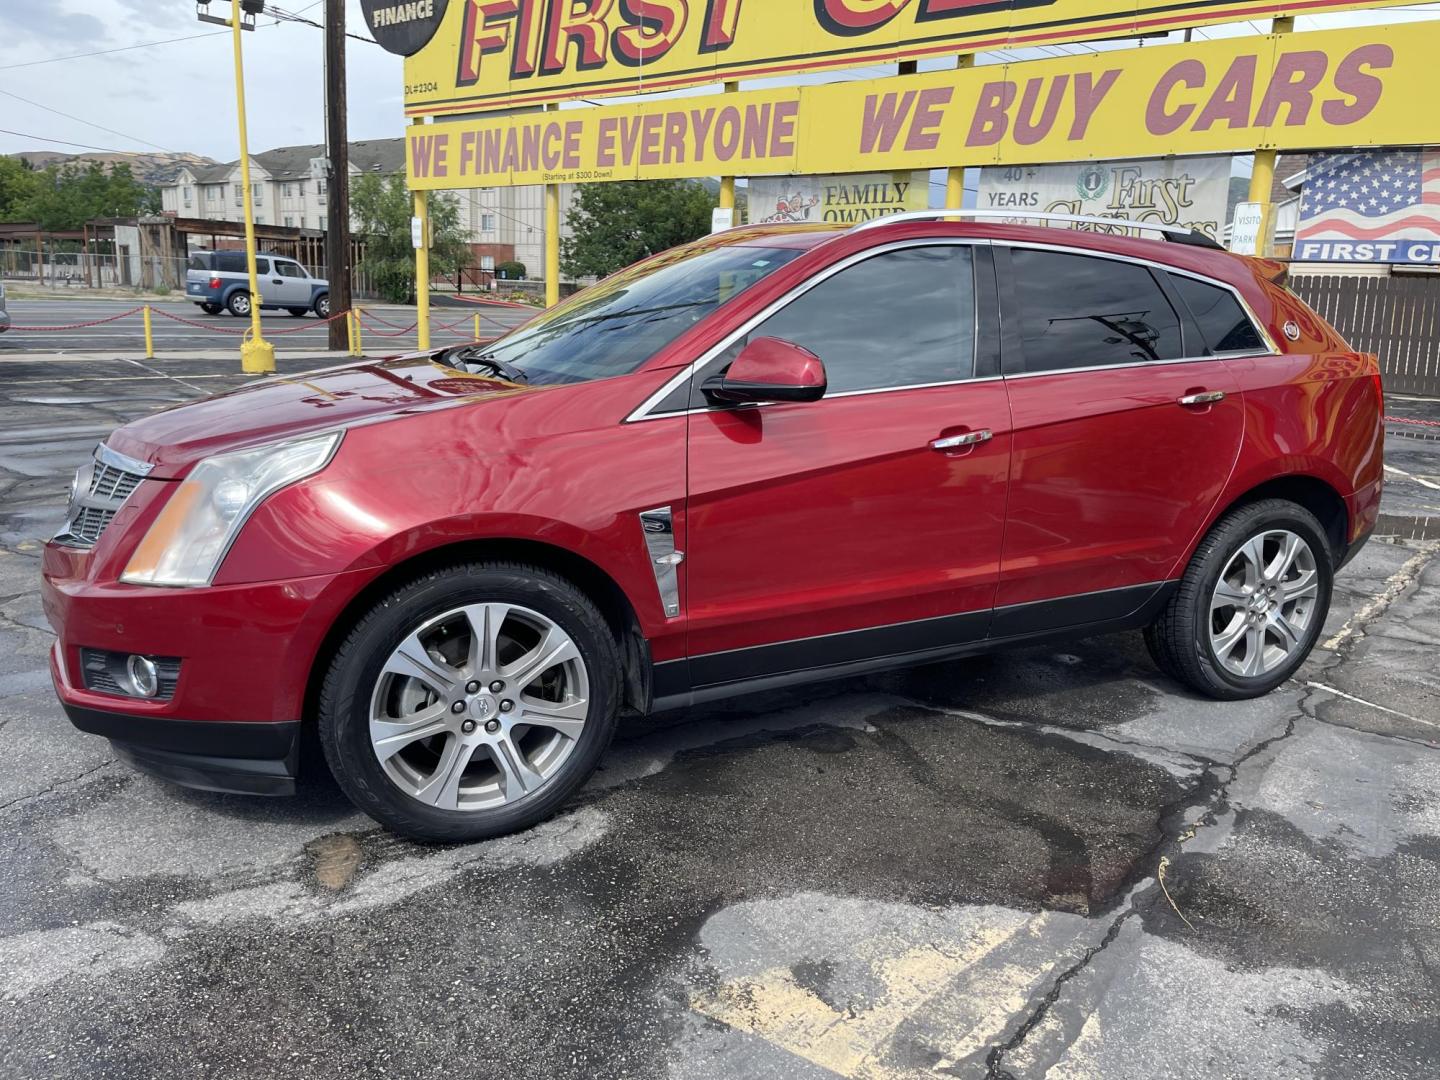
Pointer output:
190, 537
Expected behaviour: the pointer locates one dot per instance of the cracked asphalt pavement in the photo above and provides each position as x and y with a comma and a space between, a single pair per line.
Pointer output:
1048, 863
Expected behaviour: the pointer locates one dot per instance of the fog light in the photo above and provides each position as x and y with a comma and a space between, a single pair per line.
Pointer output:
143, 676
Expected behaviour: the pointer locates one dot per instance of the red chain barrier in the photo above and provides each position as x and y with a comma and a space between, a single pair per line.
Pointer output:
481, 301
83, 325
383, 333
381, 319
241, 333
1407, 420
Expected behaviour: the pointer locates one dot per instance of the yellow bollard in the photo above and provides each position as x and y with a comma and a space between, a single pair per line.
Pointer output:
477, 327
149, 336
359, 335
350, 333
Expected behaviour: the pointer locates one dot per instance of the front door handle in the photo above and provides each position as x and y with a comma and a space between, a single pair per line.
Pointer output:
969, 438
1206, 397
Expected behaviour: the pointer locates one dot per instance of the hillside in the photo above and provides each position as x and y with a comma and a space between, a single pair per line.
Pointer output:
151, 168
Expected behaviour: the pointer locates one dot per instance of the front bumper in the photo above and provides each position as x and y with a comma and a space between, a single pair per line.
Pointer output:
243, 758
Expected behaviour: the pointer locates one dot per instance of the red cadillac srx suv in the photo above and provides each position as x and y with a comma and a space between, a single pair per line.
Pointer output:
775, 455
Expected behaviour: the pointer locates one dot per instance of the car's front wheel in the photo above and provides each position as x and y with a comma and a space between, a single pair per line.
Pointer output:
322, 305
1251, 604
471, 702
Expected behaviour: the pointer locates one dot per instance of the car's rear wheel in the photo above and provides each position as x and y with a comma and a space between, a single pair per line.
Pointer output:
298, 312
471, 702
1251, 604
211, 309
239, 305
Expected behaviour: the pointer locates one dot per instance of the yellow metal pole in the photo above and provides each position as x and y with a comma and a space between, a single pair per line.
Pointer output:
477, 327
359, 335
552, 241
727, 183
350, 332
1262, 177
955, 175
422, 268
257, 356
149, 336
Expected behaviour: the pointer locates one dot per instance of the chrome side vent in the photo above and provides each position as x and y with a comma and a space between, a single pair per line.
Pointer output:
100, 488
659, 528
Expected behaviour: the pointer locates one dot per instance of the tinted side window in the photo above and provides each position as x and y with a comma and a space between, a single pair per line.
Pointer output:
904, 318
230, 261
1222, 321
289, 269
1078, 311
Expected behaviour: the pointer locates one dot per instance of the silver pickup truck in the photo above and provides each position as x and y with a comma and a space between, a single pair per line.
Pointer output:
220, 281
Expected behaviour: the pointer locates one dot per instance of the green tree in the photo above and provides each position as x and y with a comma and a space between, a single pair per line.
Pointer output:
617, 224
67, 197
18, 185
382, 207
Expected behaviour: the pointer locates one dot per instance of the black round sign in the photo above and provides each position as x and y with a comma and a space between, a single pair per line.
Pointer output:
404, 26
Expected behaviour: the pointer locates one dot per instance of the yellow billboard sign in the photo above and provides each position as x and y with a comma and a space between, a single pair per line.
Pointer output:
1353, 87
502, 54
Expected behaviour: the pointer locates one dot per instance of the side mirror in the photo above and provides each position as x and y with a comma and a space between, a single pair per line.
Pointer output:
768, 369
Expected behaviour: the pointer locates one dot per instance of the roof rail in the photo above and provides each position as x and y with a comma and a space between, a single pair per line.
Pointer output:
1176, 234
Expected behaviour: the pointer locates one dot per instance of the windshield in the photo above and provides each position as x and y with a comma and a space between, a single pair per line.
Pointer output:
615, 326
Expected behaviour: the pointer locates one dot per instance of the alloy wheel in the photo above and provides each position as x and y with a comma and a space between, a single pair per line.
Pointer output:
1264, 603
479, 707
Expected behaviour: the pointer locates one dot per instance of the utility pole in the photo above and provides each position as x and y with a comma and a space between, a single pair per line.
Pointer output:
337, 138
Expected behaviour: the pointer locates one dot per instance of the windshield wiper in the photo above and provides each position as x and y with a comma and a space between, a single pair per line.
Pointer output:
468, 357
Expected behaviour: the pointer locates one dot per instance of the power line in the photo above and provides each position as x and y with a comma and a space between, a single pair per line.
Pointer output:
88, 123
108, 52
63, 142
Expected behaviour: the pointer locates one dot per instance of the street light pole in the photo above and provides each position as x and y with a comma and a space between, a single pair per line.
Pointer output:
257, 356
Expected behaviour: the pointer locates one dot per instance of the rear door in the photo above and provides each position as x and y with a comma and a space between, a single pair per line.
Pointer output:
836, 531
1126, 428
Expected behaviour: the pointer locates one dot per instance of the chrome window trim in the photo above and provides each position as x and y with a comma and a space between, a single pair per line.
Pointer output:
643, 412
1256, 324
1132, 364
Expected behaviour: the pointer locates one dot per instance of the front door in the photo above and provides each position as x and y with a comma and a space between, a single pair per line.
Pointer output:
289, 287
1125, 433
868, 523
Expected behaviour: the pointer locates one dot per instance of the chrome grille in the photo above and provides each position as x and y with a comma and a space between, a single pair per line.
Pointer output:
101, 487
110, 482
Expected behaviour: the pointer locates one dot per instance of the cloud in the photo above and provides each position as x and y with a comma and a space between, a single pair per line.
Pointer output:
44, 22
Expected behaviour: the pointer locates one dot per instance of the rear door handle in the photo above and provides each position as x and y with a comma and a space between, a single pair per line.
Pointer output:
1207, 397
969, 438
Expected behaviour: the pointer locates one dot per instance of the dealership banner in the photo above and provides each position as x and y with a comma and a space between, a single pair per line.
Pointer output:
472, 55
845, 200
1376, 206
1191, 192
1356, 87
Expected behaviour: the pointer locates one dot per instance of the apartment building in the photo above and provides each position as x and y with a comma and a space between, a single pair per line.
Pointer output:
290, 189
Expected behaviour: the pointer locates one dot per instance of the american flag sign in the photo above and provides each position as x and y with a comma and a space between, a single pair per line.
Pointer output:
1371, 206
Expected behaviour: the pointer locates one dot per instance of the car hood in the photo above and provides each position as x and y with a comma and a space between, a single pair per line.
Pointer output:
174, 439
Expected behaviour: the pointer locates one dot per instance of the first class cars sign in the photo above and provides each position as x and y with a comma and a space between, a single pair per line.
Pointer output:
499, 54
1333, 88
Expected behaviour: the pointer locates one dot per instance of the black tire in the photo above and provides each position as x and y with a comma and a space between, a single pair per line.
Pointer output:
211, 309
344, 707
1180, 639
239, 304
322, 305
298, 312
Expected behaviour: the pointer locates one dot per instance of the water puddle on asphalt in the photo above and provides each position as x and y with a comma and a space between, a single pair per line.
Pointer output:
1400, 527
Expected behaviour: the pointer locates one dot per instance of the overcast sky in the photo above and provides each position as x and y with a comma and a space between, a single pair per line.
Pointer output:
180, 96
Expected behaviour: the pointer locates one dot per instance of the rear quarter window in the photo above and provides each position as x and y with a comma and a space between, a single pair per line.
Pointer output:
1222, 321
